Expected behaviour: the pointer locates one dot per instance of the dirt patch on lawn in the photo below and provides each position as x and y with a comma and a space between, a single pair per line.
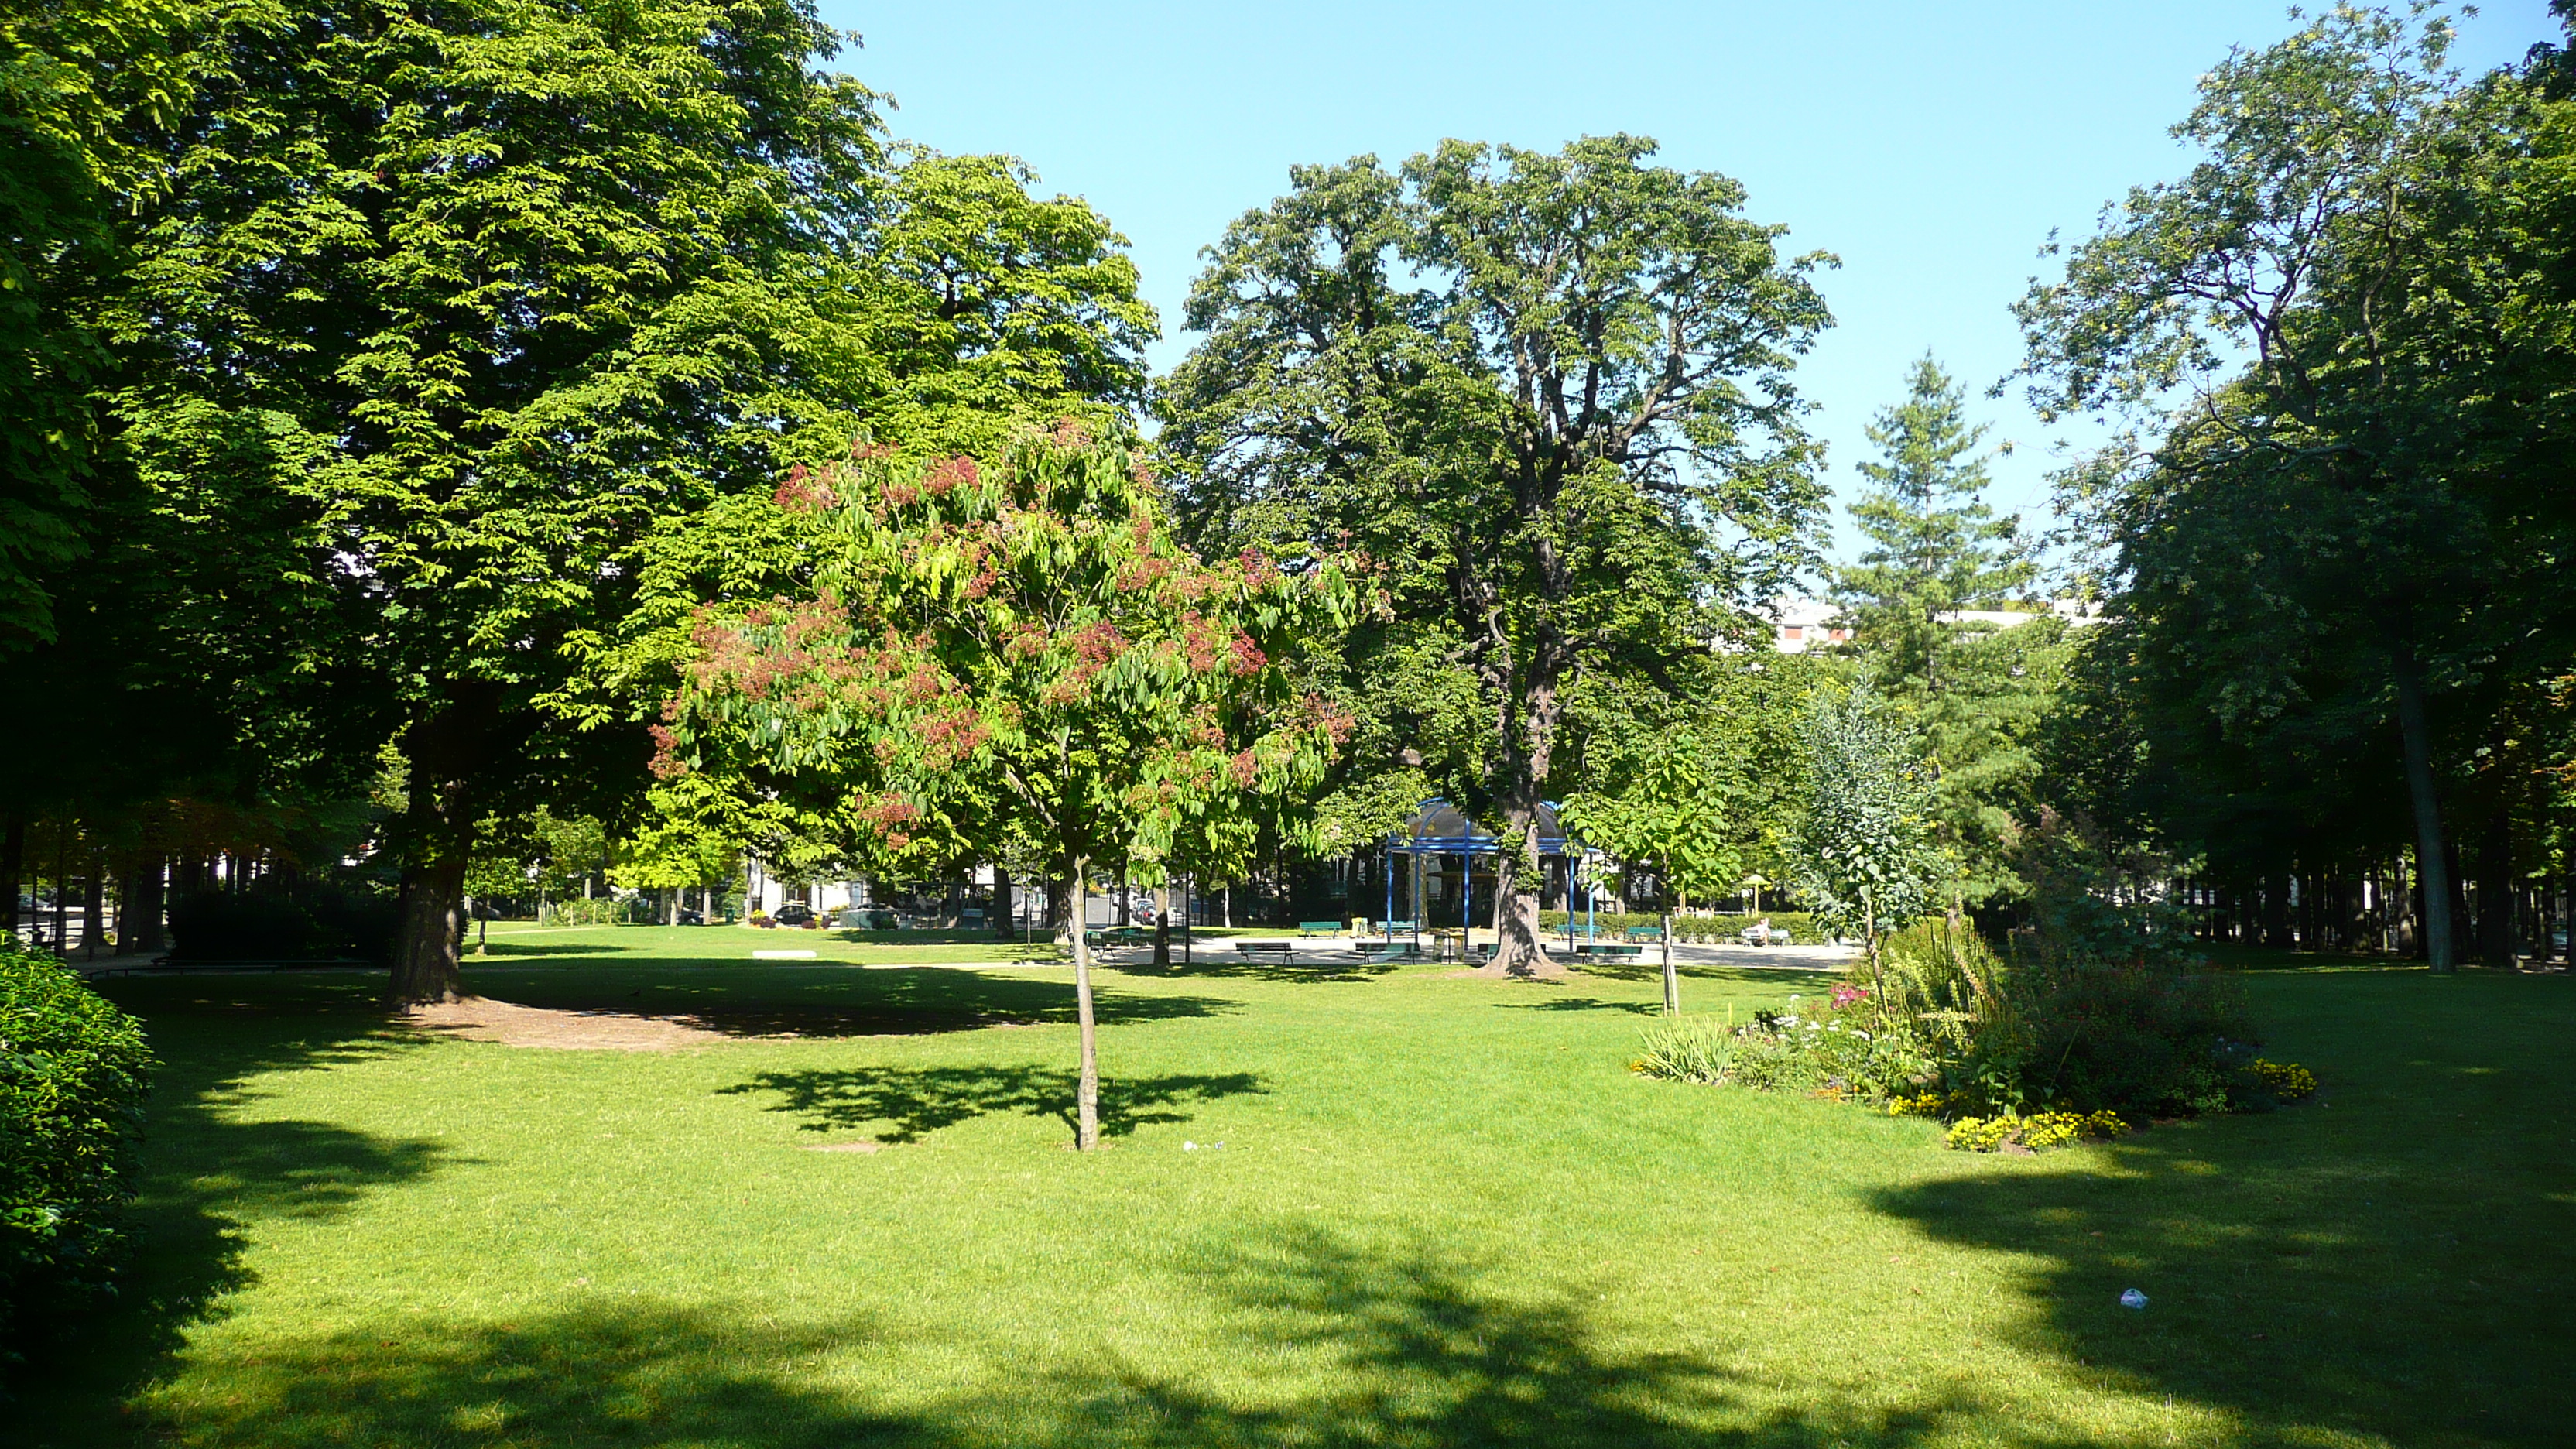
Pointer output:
479, 1018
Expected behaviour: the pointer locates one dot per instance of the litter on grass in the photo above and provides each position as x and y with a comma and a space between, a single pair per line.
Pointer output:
2133, 1299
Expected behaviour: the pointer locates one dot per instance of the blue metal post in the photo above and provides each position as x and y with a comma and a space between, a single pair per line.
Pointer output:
1466, 897
1387, 921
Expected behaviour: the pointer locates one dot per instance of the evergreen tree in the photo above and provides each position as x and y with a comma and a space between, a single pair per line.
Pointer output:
1937, 549
1970, 692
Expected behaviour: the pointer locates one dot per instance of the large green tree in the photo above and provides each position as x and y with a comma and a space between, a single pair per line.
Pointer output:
443, 316
2339, 341
1547, 396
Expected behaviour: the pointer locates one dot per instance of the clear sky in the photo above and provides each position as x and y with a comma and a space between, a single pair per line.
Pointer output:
1931, 146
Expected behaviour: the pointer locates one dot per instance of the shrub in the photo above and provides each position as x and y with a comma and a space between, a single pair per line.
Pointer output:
73, 1073
2141, 1040
1687, 1049
1800, 925
585, 912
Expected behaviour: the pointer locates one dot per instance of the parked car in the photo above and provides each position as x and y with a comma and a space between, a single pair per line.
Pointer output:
794, 913
689, 917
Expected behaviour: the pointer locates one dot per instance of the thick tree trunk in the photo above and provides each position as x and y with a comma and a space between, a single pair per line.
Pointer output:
13, 870
425, 961
2496, 890
1163, 924
2415, 733
1086, 1092
1064, 902
2276, 913
1003, 924
94, 904
138, 909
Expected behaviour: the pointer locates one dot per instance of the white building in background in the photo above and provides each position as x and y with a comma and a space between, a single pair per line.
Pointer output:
1799, 625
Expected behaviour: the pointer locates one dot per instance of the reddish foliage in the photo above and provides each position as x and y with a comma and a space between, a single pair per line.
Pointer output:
805, 492
950, 473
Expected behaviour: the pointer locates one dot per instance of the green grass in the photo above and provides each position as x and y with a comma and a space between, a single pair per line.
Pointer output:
1444, 1214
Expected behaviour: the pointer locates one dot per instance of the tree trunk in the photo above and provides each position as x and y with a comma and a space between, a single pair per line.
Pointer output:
1672, 976
1086, 1093
2496, 890
1004, 927
1517, 951
138, 909
13, 869
2415, 733
2276, 912
425, 964
94, 903
1163, 924
1064, 902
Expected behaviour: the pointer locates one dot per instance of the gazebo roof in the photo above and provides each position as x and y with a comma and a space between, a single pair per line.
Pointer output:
1440, 828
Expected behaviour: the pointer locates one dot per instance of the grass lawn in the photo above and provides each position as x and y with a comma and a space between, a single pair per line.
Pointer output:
1443, 1214
512, 940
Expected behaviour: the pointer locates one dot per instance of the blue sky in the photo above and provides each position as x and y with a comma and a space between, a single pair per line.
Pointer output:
1931, 146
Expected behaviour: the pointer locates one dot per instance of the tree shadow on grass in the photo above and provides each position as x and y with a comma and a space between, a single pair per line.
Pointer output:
809, 1001
916, 1101
209, 1170
1584, 1003
2391, 1265
510, 950
1313, 1344
1253, 968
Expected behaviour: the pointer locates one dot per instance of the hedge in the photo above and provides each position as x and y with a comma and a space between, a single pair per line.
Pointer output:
1800, 925
73, 1074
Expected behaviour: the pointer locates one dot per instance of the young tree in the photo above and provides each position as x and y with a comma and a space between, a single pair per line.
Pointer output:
1548, 394
1666, 806
1865, 854
1020, 653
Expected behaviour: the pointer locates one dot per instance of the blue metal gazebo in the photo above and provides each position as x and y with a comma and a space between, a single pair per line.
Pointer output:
1441, 829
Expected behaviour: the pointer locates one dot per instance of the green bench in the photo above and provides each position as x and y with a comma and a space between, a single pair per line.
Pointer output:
1387, 950
1319, 928
1279, 946
1645, 933
1609, 950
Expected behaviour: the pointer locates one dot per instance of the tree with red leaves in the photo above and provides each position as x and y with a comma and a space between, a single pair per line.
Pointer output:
986, 656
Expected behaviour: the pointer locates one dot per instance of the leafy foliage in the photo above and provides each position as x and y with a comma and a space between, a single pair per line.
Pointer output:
1546, 395
74, 1073
1866, 859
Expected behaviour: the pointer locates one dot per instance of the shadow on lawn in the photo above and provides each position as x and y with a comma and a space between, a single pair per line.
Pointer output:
811, 1001
209, 1170
1584, 1003
2392, 1266
1228, 964
917, 1101
1408, 1350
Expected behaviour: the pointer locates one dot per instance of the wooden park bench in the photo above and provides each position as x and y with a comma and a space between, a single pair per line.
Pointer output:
1645, 933
1279, 946
1608, 950
1319, 928
1387, 950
